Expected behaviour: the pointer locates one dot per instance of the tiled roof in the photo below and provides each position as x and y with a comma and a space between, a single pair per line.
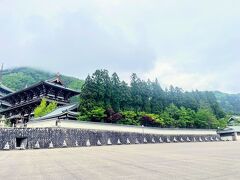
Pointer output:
5, 103
59, 111
60, 86
42, 82
230, 129
6, 88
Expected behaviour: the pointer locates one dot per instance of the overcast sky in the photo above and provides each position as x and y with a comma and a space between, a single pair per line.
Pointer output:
194, 44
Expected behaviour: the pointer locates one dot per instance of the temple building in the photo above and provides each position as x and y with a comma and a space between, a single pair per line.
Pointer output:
232, 131
3, 92
21, 104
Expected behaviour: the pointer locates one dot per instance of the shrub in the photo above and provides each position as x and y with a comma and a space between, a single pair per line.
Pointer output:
44, 109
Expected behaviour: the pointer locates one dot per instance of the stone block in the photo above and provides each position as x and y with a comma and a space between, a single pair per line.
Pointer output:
128, 142
88, 144
64, 144
175, 140
160, 140
6, 146
37, 145
99, 143
119, 142
51, 145
109, 141
168, 140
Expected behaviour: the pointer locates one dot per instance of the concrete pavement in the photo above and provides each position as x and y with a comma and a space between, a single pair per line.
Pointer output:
218, 160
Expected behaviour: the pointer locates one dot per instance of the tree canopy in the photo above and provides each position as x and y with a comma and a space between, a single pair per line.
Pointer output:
44, 108
108, 99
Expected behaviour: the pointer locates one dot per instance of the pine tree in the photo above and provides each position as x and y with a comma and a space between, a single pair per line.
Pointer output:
88, 96
137, 102
115, 92
125, 94
157, 101
146, 93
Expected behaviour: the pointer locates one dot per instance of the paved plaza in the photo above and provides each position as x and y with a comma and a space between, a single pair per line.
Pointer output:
219, 160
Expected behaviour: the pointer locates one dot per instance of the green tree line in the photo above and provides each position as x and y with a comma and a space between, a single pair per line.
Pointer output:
106, 98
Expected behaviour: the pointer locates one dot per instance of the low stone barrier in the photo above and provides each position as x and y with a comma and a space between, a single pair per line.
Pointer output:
42, 138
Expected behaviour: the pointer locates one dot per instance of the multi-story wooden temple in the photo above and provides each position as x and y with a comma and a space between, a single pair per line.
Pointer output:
21, 104
3, 92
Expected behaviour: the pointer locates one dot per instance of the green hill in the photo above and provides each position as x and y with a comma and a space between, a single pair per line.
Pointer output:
229, 102
19, 78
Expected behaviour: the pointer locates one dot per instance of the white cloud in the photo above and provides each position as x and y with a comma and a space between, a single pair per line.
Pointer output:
168, 72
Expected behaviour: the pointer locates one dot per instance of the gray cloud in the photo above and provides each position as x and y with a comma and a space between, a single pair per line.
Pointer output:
78, 46
177, 42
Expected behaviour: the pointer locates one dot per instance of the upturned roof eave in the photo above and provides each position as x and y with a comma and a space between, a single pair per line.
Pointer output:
37, 84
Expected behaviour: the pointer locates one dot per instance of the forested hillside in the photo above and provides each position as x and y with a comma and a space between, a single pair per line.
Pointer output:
19, 78
106, 98
229, 102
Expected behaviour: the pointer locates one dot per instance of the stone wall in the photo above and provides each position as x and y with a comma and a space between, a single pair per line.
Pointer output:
35, 138
51, 123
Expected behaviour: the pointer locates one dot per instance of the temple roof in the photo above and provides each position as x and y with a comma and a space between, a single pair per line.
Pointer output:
230, 129
59, 86
68, 109
46, 82
5, 103
56, 80
4, 90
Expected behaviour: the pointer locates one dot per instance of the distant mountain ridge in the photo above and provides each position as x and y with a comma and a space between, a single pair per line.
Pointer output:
229, 102
19, 78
